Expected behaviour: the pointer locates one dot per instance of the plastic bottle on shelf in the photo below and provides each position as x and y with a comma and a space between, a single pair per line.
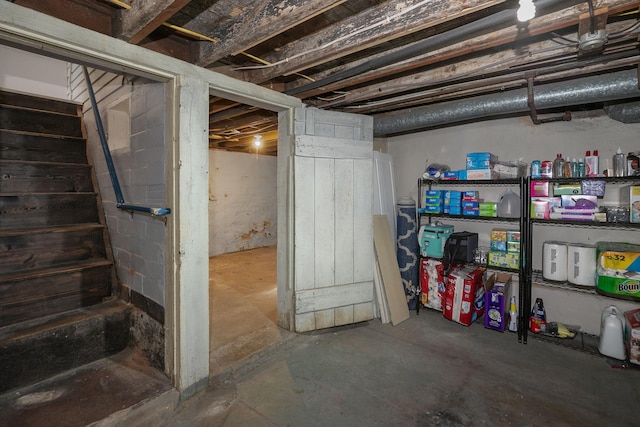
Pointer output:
582, 171
619, 163
574, 168
513, 315
566, 169
558, 163
591, 163
509, 205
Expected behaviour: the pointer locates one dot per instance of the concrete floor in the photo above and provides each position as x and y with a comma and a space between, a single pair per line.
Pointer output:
243, 315
427, 371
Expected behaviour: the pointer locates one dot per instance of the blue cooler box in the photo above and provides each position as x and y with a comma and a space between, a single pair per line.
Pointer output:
432, 238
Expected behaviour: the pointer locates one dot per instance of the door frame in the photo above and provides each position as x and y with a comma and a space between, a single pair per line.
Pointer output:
186, 328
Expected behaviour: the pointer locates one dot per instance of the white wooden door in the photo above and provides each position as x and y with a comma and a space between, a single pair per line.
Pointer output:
333, 228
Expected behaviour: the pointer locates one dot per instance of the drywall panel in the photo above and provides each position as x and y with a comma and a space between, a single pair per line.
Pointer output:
242, 201
30, 73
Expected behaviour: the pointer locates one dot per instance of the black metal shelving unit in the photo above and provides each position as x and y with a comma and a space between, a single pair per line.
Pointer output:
526, 275
521, 184
531, 275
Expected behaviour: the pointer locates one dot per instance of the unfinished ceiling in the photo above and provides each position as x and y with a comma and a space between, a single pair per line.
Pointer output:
388, 59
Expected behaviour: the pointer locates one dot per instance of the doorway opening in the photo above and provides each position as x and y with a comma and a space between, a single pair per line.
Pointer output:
242, 238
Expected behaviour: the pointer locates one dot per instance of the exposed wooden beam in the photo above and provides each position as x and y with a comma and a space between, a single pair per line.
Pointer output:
365, 30
134, 24
85, 13
253, 119
541, 25
492, 62
259, 22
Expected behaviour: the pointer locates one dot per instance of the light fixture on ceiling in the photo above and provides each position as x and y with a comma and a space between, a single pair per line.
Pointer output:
526, 11
257, 142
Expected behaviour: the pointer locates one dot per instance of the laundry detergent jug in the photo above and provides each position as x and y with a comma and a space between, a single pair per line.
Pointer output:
612, 333
509, 205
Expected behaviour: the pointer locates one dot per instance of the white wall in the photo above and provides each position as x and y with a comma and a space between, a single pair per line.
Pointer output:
518, 138
27, 72
242, 201
509, 139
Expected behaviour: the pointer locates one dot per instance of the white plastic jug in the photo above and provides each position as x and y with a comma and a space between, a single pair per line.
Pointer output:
612, 333
509, 205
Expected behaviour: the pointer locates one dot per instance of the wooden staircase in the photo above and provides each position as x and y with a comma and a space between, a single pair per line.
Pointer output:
55, 255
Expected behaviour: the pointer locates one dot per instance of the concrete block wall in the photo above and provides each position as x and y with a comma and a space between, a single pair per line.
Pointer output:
243, 211
138, 240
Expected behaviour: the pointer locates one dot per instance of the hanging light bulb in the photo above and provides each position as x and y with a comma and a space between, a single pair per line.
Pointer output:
257, 142
527, 10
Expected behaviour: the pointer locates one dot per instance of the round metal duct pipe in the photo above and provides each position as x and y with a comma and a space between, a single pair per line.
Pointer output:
625, 113
601, 88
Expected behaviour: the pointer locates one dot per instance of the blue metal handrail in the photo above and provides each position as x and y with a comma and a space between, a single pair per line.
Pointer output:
107, 155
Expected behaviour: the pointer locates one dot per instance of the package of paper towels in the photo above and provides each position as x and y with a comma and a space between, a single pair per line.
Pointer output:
618, 270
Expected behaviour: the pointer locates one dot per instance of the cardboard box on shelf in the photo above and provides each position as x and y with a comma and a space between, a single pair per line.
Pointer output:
504, 259
463, 300
481, 174
539, 188
630, 197
498, 234
632, 335
481, 160
513, 236
496, 301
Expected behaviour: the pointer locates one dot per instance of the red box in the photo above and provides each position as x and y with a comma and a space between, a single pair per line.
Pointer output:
463, 300
432, 282
632, 335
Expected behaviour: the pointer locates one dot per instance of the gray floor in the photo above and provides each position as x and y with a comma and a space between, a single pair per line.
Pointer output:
426, 371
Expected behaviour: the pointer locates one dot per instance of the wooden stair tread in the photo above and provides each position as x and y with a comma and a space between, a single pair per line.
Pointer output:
47, 194
43, 163
36, 326
28, 100
43, 135
38, 110
51, 229
53, 271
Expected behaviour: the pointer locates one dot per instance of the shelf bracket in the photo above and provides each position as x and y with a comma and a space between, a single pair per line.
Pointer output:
566, 117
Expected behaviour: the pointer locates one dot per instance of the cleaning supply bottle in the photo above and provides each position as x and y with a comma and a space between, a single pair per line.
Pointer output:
558, 163
619, 163
538, 317
591, 163
582, 171
513, 315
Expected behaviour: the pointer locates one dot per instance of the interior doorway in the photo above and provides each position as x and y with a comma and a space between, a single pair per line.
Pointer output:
242, 250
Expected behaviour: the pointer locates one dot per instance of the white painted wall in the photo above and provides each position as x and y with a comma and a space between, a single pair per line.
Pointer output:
242, 201
30, 73
518, 138
509, 139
